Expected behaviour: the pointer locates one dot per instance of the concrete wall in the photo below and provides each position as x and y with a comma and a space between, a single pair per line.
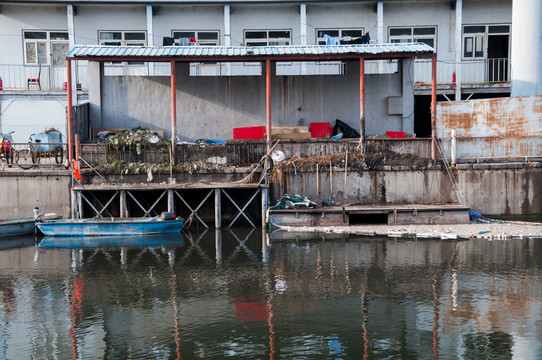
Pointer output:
30, 114
46, 189
489, 189
209, 107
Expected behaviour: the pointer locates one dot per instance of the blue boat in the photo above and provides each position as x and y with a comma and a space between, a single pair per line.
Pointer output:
17, 227
110, 226
85, 242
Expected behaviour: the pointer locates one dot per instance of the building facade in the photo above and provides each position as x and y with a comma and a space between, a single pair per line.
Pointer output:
472, 39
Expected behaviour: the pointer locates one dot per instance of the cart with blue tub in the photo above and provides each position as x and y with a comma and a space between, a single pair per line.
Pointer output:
48, 144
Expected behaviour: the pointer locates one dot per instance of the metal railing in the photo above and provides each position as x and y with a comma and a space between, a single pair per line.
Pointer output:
33, 155
472, 71
15, 77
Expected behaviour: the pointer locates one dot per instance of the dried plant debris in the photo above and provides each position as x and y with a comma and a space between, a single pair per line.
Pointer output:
374, 160
121, 167
136, 138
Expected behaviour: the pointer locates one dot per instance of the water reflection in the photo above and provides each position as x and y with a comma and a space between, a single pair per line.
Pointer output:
241, 294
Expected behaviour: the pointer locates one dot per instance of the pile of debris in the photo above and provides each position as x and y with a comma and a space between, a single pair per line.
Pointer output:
373, 160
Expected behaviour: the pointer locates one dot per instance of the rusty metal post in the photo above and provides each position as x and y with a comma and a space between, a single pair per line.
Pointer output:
434, 107
362, 141
70, 109
77, 147
173, 107
268, 102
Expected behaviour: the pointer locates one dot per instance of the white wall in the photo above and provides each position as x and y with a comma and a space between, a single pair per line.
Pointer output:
28, 116
93, 18
16, 18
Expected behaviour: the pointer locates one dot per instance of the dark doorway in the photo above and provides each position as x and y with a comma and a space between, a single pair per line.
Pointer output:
497, 56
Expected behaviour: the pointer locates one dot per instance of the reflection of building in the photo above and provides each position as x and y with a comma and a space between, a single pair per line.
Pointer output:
473, 44
338, 296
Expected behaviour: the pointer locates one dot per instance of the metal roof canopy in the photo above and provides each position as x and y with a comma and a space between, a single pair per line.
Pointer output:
249, 53
264, 54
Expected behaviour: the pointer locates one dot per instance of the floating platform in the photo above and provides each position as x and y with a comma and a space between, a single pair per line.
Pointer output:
370, 214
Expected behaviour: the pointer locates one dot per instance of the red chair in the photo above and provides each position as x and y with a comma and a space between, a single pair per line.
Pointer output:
35, 81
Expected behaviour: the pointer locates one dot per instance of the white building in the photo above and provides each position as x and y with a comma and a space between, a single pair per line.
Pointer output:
473, 40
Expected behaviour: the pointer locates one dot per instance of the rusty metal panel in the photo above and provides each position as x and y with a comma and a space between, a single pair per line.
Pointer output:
499, 117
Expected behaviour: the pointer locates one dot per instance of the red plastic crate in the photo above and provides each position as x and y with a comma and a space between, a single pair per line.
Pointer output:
320, 130
251, 132
396, 134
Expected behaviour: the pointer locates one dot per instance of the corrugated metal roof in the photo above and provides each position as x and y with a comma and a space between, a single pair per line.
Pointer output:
246, 51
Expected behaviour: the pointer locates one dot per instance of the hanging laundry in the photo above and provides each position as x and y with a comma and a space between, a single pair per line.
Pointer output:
331, 40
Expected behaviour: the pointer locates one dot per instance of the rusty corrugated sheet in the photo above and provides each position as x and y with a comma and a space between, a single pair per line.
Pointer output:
499, 117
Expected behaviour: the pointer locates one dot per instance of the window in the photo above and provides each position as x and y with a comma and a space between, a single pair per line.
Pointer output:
427, 35
341, 35
45, 47
476, 39
123, 38
204, 38
267, 37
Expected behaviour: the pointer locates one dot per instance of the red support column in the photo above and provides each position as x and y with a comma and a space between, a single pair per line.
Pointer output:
173, 106
268, 102
434, 107
362, 141
70, 109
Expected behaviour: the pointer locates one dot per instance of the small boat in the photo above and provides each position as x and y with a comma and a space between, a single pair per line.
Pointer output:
17, 227
86, 242
165, 224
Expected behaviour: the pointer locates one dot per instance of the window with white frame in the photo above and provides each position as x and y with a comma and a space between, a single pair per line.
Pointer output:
424, 34
268, 37
123, 38
475, 39
339, 34
203, 38
45, 47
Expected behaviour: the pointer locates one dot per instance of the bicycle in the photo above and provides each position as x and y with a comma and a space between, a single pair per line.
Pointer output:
28, 158
6, 149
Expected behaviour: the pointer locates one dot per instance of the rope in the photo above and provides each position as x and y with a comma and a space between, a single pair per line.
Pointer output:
458, 193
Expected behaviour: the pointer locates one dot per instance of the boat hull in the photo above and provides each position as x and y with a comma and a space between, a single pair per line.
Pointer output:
134, 241
17, 227
106, 227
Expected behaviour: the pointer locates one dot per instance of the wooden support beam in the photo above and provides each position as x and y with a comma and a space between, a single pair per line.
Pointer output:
194, 212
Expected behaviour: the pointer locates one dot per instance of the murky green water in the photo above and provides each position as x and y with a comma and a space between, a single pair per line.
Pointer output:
237, 294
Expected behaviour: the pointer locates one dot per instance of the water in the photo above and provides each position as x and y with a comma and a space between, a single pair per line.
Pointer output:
280, 298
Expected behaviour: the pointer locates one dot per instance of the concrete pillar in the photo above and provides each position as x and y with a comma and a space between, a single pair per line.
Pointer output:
227, 35
380, 22
408, 95
458, 47
303, 32
122, 203
218, 209
526, 54
171, 201
150, 36
71, 44
265, 205
95, 76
